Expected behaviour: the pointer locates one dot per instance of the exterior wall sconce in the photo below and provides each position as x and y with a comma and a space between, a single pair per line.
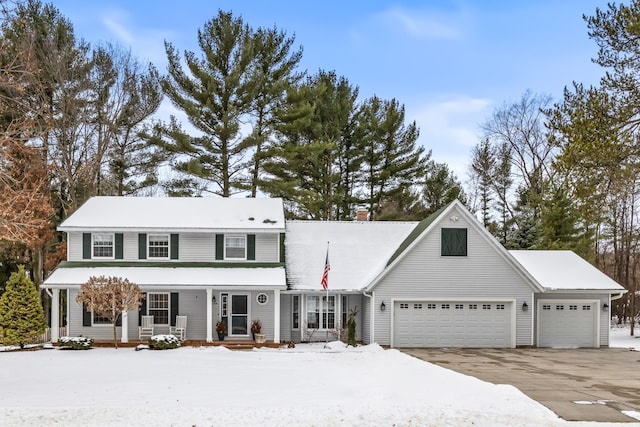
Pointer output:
383, 306
605, 306
213, 299
525, 306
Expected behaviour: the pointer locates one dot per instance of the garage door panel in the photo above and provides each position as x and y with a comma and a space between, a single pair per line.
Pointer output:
567, 323
452, 324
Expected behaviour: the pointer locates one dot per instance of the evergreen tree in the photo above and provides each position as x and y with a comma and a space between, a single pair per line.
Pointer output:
392, 160
482, 166
21, 314
502, 182
441, 187
240, 73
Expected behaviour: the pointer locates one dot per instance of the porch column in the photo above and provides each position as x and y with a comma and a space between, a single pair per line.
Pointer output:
209, 315
55, 315
276, 316
125, 327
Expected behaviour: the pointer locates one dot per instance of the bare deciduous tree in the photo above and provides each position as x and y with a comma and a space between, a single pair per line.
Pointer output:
108, 297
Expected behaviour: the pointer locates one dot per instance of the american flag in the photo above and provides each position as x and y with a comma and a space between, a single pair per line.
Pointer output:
325, 275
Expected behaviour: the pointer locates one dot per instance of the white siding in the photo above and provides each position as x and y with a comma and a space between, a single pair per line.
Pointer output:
285, 318
267, 247
484, 273
130, 249
196, 247
74, 246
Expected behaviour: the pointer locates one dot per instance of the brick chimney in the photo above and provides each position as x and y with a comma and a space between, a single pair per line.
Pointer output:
362, 215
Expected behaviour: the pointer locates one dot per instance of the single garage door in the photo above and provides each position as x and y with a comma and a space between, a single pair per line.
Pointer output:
452, 324
566, 324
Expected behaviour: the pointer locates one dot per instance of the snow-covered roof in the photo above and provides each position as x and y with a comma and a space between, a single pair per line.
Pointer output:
564, 270
358, 251
175, 277
177, 213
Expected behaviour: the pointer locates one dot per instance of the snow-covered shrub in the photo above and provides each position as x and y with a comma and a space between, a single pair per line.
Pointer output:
76, 343
163, 342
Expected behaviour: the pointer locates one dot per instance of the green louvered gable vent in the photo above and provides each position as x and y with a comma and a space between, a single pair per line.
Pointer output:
454, 242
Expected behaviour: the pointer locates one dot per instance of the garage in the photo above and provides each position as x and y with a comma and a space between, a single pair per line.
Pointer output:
469, 324
568, 323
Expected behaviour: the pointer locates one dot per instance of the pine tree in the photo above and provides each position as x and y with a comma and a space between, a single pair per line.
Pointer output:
21, 314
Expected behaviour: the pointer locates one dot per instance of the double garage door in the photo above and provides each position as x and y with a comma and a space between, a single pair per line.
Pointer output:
568, 323
469, 324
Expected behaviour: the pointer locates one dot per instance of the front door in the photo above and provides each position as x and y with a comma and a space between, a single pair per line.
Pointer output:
239, 325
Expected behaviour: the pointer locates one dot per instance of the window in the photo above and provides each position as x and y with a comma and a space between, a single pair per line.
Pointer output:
321, 316
473, 306
99, 320
158, 246
404, 306
573, 307
431, 306
417, 306
559, 307
459, 306
546, 307
235, 247
262, 298
295, 312
453, 242
486, 306
158, 307
103, 245
445, 306
499, 306
586, 307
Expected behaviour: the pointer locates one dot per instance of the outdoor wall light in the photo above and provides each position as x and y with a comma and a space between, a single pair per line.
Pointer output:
605, 306
383, 307
525, 306
213, 299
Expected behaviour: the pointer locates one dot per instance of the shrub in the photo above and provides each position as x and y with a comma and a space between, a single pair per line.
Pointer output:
75, 343
163, 342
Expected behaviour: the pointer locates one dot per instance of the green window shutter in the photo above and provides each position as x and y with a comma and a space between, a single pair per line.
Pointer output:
454, 242
86, 316
119, 246
282, 258
219, 246
174, 307
174, 242
142, 246
251, 247
142, 310
86, 247
119, 320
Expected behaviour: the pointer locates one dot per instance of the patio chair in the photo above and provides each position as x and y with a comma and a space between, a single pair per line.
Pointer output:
180, 330
145, 331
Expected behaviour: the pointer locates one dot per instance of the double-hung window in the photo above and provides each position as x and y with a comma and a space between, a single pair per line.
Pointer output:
158, 307
235, 247
159, 246
321, 315
102, 245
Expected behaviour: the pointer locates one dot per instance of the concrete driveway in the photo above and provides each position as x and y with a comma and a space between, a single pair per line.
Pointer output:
576, 384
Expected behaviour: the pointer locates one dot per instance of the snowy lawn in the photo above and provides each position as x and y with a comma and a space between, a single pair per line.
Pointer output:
306, 386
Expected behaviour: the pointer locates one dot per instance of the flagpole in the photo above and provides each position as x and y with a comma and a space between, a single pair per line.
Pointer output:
326, 336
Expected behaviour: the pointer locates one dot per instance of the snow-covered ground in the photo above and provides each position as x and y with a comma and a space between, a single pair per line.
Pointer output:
309, 385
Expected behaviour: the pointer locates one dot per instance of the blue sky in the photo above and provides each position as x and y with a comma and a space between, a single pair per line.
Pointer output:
451, 63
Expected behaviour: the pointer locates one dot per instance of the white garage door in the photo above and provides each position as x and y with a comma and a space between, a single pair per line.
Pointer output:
567, 323
452, 324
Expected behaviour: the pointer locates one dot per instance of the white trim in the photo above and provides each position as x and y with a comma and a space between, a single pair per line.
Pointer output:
512, 301
294, 328
266, 301
155, 258
55, 315
235, 236
321, 311
230, 314
148, 300
596, 319
113, 246
276, 316
209, 326
124, 332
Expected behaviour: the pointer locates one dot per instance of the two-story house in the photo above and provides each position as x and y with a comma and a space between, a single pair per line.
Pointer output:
441, 282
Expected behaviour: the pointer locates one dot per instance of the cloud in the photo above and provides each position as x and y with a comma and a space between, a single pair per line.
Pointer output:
451, 128
421, 24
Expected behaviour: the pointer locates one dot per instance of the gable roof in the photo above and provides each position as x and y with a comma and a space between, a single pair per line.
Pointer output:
358, 251
427, 225
564, 270
108, 213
